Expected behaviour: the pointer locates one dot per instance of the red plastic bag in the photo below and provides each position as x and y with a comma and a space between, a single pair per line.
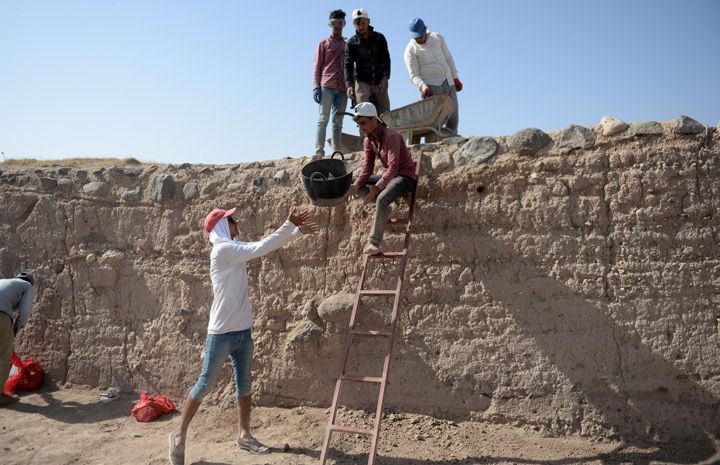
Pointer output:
28, 377
148, 408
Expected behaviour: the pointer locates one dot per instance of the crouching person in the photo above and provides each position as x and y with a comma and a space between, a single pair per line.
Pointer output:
231, 318
398, 177
16, 297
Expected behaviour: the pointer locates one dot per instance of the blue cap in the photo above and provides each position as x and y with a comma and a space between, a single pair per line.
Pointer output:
417, 28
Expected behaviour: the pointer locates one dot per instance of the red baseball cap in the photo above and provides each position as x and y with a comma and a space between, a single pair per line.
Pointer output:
215, 216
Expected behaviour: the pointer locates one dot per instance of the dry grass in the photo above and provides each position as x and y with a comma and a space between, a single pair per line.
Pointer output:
86, 163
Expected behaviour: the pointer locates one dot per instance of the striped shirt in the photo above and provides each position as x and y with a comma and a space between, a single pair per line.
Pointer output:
329, 64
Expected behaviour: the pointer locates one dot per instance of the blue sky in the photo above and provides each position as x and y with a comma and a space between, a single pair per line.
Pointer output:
229, 81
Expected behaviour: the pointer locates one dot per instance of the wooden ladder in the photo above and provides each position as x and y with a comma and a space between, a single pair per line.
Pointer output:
353, 332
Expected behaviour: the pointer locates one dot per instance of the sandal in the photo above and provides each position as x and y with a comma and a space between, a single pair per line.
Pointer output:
252, 445
176, 452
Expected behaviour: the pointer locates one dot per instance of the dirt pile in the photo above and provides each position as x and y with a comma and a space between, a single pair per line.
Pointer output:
573, 288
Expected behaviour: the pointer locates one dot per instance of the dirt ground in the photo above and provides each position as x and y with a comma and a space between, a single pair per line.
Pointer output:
73, 426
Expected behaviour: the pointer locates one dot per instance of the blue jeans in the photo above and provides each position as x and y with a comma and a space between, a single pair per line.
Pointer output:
239, 346
332, 102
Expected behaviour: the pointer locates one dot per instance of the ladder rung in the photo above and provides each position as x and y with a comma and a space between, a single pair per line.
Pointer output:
364, 332
361, 379
350, 429
378, 292
388, 255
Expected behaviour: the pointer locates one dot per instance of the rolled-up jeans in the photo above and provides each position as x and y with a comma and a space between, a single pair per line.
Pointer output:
397, 187
332, 102
239, 346
447, 89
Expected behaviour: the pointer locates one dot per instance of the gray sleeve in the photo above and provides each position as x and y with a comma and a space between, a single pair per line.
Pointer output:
25, 307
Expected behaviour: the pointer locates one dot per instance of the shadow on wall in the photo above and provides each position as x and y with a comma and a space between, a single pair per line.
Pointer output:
585, 344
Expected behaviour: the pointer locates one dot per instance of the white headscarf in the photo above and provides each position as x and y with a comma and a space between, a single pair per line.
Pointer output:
221, 232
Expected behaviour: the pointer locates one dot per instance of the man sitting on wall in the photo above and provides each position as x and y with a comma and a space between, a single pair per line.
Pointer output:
397, 179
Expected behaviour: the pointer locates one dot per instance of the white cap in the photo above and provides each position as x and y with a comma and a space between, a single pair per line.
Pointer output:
366, 109
360, 13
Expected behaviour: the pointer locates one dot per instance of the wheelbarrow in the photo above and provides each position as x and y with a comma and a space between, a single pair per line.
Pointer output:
423, 118
327, 180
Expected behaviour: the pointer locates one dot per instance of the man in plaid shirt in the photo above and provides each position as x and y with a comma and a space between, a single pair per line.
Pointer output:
329, 83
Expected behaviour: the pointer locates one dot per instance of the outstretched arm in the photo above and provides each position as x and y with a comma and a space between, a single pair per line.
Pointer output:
297, 220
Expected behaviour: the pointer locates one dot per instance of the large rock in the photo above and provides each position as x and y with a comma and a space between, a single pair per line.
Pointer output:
528, 141
575, 137
687, 125
611, 126
475, 151
163, 188
645, 128
96, 189
190, 191
336, 308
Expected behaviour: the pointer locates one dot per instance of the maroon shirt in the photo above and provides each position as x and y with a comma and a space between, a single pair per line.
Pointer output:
329, 64
387, 145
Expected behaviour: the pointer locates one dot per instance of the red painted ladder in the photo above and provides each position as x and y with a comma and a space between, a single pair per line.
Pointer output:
389, 336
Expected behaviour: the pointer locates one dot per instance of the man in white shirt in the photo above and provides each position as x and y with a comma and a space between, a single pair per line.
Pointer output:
432, 68
231, 318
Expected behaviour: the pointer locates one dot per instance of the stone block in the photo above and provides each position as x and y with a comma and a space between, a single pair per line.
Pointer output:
475, 151
528, 141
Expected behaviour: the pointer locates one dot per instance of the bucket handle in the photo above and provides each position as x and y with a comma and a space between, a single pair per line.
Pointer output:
318, 175
337, 151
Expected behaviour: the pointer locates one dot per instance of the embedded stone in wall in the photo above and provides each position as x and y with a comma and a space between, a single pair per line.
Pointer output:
163, 188
131, 196
528, 141
96, 189
575, 137
234, 186
65, 184
281, 176
441, 162
47, 184
307, 332
475, 151
336, 308
454, 140
645, 128
112, 256
612, 125
190, 191
687, 125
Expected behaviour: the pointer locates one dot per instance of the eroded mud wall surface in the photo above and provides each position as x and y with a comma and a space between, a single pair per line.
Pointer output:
574, 287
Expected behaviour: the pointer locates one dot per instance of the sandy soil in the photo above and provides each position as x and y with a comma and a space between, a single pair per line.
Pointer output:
72, 426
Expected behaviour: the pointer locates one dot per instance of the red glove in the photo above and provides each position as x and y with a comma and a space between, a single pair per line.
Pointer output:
458, 85
426, 91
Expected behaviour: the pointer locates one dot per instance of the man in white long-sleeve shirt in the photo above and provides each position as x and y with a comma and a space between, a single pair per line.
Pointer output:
432, 67
231, 318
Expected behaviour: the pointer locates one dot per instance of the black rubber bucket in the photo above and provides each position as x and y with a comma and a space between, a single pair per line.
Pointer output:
327, 181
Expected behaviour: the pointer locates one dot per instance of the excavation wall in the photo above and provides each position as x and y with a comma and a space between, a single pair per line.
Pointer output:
573, 286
